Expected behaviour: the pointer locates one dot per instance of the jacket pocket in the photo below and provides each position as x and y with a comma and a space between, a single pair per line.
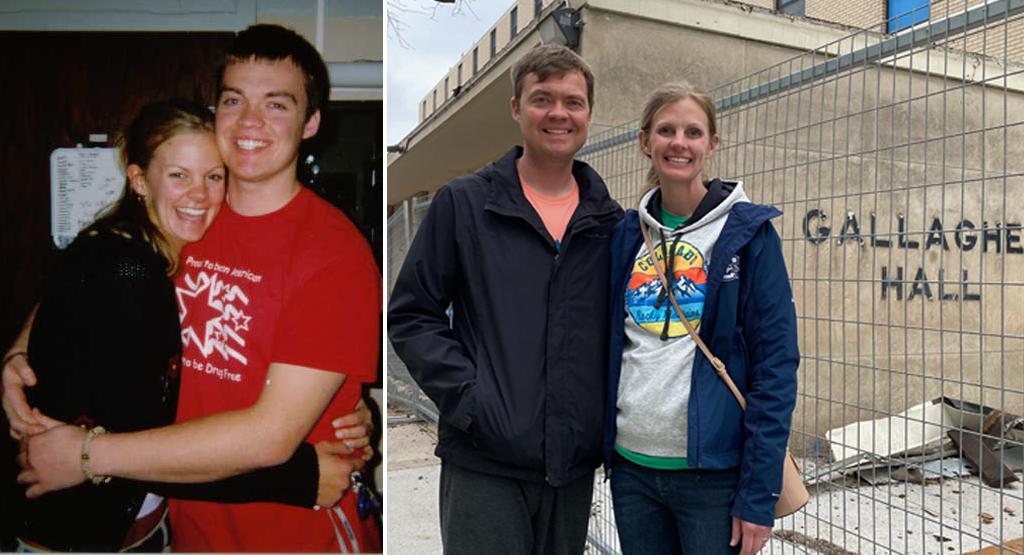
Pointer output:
503, 431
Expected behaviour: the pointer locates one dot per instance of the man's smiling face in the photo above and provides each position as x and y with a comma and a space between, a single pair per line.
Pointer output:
553, 115
261, 119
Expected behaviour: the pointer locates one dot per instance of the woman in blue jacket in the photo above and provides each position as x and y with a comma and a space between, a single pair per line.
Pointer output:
690, 471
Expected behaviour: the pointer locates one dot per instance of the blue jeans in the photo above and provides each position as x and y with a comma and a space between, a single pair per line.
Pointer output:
673, 511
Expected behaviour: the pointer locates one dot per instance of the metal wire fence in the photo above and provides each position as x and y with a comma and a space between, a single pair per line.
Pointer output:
402, 389
898, 160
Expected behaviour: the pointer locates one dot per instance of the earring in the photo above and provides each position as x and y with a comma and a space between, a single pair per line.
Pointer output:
138, 196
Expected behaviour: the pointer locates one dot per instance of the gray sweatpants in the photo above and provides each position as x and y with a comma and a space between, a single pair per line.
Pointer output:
482, 513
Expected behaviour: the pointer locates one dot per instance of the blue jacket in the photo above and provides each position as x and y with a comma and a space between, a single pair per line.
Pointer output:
749, 323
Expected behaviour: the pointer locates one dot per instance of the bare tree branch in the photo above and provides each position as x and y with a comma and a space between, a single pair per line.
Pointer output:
400, 12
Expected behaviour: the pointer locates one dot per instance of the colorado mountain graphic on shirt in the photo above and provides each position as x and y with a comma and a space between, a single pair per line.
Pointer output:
646, 301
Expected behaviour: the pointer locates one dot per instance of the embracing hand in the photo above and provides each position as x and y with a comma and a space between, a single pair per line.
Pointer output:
51, 460
355, 430
16, 376
753, 536
335, 471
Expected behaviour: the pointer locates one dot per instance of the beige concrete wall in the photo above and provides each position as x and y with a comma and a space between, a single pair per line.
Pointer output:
706, 57
886, 155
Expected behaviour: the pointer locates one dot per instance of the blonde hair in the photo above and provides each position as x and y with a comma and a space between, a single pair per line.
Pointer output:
156, 123
667, 94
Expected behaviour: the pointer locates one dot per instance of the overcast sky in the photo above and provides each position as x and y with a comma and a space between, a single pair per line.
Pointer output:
436, 36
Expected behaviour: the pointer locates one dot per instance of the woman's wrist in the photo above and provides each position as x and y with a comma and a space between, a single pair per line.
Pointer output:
14, 353
87, 459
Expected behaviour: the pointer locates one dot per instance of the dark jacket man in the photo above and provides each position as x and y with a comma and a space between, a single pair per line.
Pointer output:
518, 372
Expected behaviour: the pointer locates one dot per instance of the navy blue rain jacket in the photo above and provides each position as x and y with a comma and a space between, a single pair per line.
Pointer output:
749, 323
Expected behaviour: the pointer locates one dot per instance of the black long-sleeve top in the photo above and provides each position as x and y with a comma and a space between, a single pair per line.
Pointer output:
106, 347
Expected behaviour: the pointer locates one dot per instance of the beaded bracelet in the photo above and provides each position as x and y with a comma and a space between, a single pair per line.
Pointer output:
86, 466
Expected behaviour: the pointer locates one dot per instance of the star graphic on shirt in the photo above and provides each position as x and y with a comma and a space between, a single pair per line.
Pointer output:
211, 315
185, 298
241, 321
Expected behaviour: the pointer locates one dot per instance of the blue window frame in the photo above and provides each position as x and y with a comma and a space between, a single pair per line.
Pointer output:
903, 14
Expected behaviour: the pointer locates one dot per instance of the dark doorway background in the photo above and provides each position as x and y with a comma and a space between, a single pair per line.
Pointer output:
64, 86
343, 164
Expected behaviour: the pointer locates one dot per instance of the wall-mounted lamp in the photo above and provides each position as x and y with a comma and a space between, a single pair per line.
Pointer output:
561, 27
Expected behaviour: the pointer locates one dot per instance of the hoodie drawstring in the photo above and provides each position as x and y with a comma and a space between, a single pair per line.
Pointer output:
670, 275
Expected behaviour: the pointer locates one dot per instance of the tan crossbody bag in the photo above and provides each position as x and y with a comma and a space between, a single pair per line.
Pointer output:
794, 494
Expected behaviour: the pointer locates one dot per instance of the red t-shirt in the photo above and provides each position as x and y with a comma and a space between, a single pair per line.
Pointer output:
296, 286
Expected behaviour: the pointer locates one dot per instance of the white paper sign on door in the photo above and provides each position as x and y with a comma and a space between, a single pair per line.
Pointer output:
83, 182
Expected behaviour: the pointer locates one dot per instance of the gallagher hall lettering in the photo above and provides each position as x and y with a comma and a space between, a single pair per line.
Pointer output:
999, 238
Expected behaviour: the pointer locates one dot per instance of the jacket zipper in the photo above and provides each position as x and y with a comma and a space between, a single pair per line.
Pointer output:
575, 227
572, 228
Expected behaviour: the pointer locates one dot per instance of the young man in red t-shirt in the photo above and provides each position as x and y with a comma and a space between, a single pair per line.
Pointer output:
280, 304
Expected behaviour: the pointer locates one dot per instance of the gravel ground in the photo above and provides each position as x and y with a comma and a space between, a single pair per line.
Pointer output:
954, 515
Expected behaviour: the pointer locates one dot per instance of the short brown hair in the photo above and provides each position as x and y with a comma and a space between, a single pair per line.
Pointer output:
272, 43
667, 94
551, 59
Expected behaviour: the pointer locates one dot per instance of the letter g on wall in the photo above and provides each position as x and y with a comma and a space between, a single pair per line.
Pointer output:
822, 232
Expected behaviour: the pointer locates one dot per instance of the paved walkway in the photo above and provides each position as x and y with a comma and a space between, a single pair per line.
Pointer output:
413, 474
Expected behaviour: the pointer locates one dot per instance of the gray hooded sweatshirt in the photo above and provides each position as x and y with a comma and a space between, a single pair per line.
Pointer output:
657, 358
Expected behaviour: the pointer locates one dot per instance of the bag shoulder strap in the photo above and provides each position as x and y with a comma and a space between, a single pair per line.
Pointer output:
716, 363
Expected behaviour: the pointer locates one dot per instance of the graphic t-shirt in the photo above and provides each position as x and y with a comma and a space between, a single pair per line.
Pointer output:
296, 286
